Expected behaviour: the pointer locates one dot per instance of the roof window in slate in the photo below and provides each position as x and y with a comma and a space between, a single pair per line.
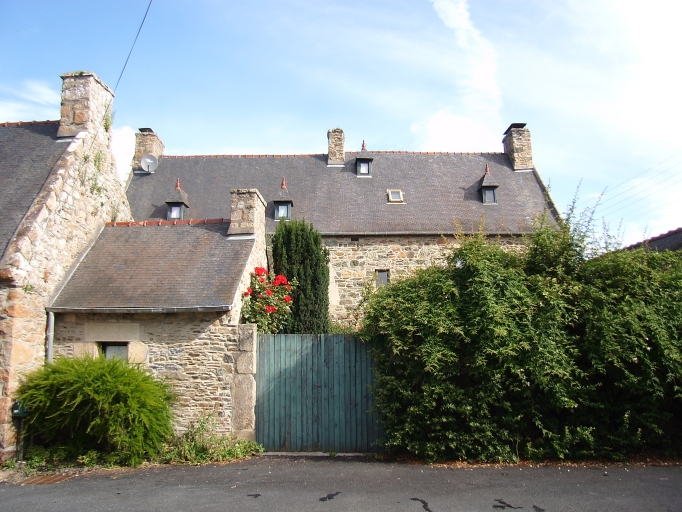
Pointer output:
178, 203
282, 210
489, 187
395, 196
363, 163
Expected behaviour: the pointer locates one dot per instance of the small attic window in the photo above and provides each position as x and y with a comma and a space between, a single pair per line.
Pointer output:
364, 168
282, 210
489, 195
395, 196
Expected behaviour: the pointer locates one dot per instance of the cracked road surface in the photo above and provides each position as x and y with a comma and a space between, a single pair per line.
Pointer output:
322, 484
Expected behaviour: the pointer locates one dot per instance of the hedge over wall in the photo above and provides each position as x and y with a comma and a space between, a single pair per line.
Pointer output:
502, 354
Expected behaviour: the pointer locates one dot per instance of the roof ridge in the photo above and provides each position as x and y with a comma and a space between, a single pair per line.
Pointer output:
26, 123
307, 155
160, 222
310, 155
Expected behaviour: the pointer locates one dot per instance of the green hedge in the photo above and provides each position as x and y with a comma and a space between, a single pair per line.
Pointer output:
502, 355
98, 404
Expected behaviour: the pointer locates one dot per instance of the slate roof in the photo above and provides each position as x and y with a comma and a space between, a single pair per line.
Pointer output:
441, 190
158, 268
670, 241
28, 152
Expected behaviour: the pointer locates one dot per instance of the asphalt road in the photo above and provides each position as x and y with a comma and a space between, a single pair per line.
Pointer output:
324, 484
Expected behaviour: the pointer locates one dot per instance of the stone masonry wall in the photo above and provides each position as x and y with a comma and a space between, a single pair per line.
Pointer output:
81, 193
353, 264
209, 363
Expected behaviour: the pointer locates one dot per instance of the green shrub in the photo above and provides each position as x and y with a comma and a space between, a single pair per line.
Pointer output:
98, 404
299, 253
200, 444
539, 353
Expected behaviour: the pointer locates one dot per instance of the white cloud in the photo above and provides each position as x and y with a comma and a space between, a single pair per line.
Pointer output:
445, 131
33, 101
473, 124
38, 92
123, 148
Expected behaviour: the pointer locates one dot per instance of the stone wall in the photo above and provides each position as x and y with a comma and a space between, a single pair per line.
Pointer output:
209, 363
354, 263
81, 193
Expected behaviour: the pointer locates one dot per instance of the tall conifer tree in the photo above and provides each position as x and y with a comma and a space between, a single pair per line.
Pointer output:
298, 253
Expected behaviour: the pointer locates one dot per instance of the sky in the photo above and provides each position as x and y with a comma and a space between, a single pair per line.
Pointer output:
597, 82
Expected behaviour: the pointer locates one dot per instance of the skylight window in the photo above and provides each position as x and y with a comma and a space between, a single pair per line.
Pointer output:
395, 196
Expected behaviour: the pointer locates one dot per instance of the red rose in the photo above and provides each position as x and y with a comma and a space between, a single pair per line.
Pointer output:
280, 280
260, 295
248, 292
261, 279
270, 309
287, 298
269, 292
260, 271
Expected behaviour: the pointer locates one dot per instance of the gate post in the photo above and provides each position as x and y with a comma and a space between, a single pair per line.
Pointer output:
244, 385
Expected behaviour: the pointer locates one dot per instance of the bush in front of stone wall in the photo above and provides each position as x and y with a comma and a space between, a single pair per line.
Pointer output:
543, 353
299, 253
98, 404
201, 444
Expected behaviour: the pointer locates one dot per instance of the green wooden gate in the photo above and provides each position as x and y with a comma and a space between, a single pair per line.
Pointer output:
313, 394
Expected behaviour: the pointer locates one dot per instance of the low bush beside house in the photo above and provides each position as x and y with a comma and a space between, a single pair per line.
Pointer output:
99, 404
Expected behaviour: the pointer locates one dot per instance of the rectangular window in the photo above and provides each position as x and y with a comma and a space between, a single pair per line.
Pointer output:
282, 210
115, 350
382, 278
395, 196
489, 195
364, 167
175, 212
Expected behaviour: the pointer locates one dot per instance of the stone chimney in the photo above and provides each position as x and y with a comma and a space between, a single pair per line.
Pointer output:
146, 143
87, 104
247, 213
517, 145
336, 154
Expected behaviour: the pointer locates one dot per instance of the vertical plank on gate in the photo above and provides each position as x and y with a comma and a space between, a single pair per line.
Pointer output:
352, 393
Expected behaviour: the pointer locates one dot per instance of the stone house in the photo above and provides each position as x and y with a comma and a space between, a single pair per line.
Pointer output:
71, 282
154, 269
381, 213
669, 241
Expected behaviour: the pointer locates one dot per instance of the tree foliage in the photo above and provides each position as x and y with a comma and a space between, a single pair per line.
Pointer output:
545, 352
299, 254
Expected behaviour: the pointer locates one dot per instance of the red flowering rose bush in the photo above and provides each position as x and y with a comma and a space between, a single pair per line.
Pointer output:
267, 302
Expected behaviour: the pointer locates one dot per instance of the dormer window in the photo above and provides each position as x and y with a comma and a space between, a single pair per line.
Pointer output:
489, 187
363, 163
177, 203
175, 212
283, 210
489, 195
395, 196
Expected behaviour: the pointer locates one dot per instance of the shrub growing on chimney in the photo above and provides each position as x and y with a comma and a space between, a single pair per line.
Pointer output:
298, 253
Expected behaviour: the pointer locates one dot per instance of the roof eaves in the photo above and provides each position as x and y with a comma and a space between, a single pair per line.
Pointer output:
160, 309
